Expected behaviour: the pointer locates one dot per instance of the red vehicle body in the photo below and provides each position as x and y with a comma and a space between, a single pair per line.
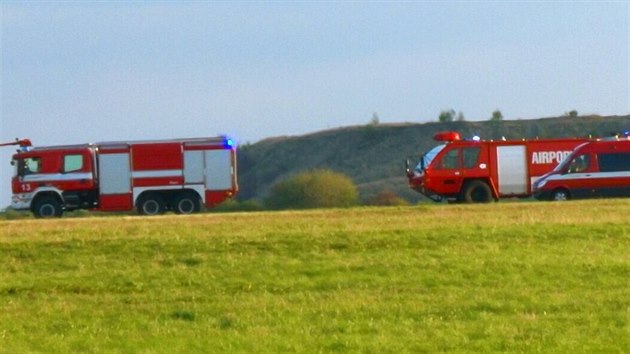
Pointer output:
152, 176
481, 171
596, 169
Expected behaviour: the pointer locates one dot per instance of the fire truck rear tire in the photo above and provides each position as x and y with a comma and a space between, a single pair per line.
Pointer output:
151, 204
47, 207
186, 203
476, 191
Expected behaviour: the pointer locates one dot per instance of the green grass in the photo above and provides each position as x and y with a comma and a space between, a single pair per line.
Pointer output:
519, 277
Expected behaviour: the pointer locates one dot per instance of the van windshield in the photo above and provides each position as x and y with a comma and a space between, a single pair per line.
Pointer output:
428, 157
562, 166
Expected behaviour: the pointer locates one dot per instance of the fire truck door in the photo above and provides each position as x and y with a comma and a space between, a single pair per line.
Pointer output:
76, 172
448, 173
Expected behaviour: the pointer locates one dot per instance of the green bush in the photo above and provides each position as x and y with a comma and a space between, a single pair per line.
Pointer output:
387, 198
313, 189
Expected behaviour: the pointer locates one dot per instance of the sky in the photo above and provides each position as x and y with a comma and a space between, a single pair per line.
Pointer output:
77, 72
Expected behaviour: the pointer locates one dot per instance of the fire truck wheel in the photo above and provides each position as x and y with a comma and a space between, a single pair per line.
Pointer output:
477, 192
186, 203
151, 204
47, 207
560, 195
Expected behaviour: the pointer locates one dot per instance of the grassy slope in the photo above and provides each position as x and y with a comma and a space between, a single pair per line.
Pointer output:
373, 156
549, 277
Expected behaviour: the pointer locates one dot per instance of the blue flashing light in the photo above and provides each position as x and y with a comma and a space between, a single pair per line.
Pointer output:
228, 143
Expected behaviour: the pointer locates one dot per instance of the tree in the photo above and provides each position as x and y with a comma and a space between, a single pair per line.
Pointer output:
497, 116
460, 116
374, 120
313, 189
572, 113
447, 116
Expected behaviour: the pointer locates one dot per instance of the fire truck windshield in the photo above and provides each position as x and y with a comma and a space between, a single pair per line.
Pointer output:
428, 157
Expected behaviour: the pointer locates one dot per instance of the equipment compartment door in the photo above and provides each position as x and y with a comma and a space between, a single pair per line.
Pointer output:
512, 170
219, 170
193, 167
115, 181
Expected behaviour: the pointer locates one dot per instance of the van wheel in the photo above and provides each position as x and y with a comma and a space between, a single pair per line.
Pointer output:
186, 203
47, 207
476, 192
560, 195
151, 204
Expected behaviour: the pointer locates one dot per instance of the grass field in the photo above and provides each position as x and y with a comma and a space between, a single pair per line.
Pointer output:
519, 277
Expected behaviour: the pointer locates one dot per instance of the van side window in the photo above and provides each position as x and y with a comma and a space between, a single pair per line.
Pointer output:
471, 156
614, 162
450, 160
72, 163
579, 164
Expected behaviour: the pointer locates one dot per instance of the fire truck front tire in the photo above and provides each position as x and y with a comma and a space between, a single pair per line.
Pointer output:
151, 204
560, 194
47, 207
476, 191
186, 203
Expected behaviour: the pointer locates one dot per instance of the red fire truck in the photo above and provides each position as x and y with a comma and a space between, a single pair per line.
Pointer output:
152, 176
476, 171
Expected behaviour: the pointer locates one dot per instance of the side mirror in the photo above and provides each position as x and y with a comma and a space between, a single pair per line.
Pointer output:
12, 162
407, 170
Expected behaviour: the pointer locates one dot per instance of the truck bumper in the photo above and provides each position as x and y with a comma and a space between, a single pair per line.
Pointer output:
428, 193
21, 201
432, 195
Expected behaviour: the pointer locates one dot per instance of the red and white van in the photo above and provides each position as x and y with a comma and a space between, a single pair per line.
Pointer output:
595, 169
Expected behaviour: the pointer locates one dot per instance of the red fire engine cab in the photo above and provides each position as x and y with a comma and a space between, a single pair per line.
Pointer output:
476, 170
152, 176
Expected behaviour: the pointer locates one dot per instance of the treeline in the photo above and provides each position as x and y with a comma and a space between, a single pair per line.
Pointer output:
450, 115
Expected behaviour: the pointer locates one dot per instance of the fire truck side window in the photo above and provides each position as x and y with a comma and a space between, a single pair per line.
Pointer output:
471, 156
72, 163
450, 160
29, 166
